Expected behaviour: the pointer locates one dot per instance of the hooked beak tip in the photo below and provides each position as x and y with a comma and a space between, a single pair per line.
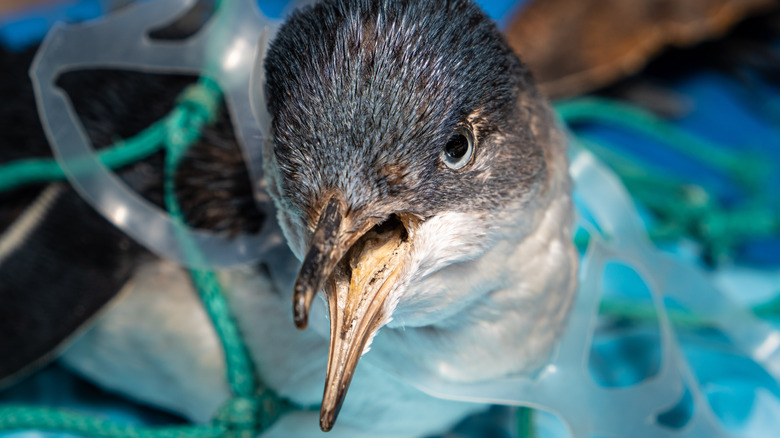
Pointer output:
300, 312
319, 261
301, 322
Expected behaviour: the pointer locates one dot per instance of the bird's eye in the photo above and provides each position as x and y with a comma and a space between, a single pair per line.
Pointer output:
459, 149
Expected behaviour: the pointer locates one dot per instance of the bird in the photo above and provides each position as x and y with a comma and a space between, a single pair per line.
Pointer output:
421, 182
420, 177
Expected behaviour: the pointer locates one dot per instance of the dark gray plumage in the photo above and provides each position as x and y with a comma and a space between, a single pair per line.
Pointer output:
364, 96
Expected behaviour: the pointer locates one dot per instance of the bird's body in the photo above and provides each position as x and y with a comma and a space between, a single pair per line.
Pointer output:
422, 180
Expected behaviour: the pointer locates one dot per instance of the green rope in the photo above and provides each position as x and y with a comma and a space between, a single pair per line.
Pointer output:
61, 421
254, 407
206, 97
33, 171
525, 422
770, 309
746, 169
682, 209
647, 313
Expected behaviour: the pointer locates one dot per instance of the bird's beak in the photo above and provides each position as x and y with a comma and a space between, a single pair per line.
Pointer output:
357, 265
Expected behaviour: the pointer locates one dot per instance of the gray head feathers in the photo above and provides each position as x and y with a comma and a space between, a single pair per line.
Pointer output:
364, 95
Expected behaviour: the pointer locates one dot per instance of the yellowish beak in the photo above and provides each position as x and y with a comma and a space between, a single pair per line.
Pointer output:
357, 270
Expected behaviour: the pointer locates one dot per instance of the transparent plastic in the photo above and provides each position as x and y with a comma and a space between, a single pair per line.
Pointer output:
223, 49
566, 388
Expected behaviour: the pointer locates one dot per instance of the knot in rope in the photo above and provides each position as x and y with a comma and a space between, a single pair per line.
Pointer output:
197, 107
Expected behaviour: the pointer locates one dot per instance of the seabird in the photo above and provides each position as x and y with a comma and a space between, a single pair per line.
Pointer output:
422, 180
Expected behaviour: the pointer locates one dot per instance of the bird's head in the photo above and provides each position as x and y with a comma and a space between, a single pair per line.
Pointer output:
406, 137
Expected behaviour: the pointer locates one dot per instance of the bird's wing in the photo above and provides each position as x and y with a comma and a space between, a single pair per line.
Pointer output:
60, 261
55, 277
